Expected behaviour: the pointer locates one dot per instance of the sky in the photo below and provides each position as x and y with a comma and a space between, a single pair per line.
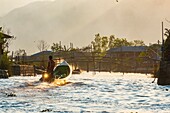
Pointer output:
140, 15
9, 5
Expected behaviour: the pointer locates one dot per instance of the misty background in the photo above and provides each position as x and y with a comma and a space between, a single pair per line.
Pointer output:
78, 21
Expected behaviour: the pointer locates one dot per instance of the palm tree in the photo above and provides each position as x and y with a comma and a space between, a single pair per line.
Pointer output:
167, 45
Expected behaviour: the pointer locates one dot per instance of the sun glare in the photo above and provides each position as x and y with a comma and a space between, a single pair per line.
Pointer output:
45, 75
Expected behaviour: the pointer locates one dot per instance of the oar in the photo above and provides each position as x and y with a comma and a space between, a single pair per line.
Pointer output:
154, 80
40, 70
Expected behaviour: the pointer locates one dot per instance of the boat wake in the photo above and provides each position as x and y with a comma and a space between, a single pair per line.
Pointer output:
33, 86
60, 82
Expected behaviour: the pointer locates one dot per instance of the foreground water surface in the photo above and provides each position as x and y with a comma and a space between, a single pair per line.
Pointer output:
87, 92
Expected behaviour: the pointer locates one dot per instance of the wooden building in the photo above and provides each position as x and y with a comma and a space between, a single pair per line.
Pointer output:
126, 51
133, 59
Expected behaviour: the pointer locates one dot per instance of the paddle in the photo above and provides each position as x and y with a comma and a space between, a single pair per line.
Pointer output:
154, 80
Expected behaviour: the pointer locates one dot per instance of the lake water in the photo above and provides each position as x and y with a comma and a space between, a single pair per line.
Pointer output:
87, 92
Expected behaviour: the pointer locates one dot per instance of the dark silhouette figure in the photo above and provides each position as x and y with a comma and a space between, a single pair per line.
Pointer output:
50, 67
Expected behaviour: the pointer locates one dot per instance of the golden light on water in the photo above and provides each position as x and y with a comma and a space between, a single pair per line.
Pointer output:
60, 82
45, 75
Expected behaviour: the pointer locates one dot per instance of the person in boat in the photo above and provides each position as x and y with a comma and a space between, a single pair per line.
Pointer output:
50, 67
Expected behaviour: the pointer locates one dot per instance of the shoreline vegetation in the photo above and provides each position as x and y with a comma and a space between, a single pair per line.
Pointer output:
104, 54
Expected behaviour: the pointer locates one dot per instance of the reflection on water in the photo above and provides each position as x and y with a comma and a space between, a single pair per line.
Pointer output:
102, 92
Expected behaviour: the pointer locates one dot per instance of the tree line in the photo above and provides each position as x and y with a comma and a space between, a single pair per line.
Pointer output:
100, 44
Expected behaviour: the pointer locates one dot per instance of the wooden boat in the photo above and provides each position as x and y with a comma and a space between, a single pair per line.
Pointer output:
76, 71
61, 72
4, 74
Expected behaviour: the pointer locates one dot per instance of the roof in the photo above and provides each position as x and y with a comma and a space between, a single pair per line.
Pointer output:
41, 53
5, 35
128, 49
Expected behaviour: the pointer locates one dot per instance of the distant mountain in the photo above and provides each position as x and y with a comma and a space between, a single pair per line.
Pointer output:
77, 21
61, 20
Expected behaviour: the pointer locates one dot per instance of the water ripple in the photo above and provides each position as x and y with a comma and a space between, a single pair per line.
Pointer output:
102, 93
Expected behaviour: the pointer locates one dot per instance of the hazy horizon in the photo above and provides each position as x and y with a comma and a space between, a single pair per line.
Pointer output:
129, 19
9, 5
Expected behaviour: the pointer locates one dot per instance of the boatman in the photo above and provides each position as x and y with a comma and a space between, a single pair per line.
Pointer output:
50, 67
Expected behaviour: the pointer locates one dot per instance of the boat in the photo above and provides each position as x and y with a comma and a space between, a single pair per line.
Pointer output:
76, 71
60, 73
4, 73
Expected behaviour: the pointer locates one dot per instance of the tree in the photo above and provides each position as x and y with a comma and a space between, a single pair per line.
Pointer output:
4, 43
97, 43
87, 48
167, 45
56, 47
7, 40
118, 42
20, 52
66, 48
111, 40
4, 62
104, 44
138, 43
20, 55
42, 45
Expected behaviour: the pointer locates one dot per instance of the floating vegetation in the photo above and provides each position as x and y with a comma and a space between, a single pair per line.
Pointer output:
47, 110
11, 94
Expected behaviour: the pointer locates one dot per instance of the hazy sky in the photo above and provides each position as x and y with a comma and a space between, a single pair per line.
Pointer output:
133, 19
8, 5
